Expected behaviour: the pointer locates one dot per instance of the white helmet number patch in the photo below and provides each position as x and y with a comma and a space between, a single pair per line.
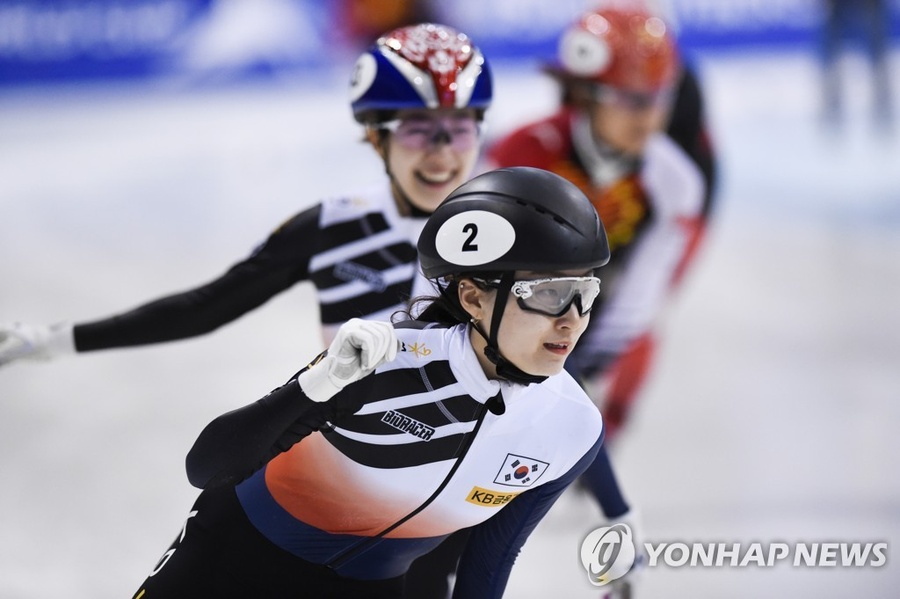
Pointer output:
583, 53
363, 76
474, 238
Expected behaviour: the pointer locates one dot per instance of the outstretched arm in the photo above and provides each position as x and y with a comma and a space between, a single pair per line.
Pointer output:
278, 264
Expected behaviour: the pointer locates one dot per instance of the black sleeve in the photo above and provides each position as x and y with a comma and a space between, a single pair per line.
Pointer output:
279, 263
687, 128
237, 444
240, 442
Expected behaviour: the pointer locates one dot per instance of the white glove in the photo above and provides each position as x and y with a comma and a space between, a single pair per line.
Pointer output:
624, 587
359, 347
19, 340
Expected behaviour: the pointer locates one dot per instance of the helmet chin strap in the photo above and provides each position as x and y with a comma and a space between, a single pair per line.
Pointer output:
505, 369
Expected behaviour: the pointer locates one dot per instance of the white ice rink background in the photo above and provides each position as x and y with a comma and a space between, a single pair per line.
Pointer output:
772, 416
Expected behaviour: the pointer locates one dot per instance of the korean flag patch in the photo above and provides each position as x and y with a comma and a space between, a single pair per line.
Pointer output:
519, 471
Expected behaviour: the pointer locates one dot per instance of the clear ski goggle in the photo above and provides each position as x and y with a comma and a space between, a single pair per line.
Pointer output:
632, 100
460, 132
554, 296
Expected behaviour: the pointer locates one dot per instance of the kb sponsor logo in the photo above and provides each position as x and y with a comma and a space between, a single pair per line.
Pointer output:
489, 497
608, 553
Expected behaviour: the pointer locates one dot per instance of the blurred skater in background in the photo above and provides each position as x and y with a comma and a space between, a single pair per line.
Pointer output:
869, 19
631, 133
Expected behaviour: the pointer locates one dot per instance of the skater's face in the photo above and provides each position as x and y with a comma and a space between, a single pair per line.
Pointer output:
626, 121
429, 153
537, 343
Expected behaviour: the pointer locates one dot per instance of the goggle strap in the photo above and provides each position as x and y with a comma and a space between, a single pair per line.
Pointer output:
506, 282
453, 304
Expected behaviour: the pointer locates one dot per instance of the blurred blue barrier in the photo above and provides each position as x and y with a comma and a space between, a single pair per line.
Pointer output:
50, 41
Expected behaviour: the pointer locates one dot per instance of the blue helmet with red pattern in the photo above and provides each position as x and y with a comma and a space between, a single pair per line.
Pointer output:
426, 66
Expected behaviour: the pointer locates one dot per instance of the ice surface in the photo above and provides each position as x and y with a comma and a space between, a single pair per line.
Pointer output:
772, 414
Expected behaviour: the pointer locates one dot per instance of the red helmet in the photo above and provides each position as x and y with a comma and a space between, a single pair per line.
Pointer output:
420, 66
629, 49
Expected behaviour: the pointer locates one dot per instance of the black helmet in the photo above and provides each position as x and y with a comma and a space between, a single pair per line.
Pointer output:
509, 219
